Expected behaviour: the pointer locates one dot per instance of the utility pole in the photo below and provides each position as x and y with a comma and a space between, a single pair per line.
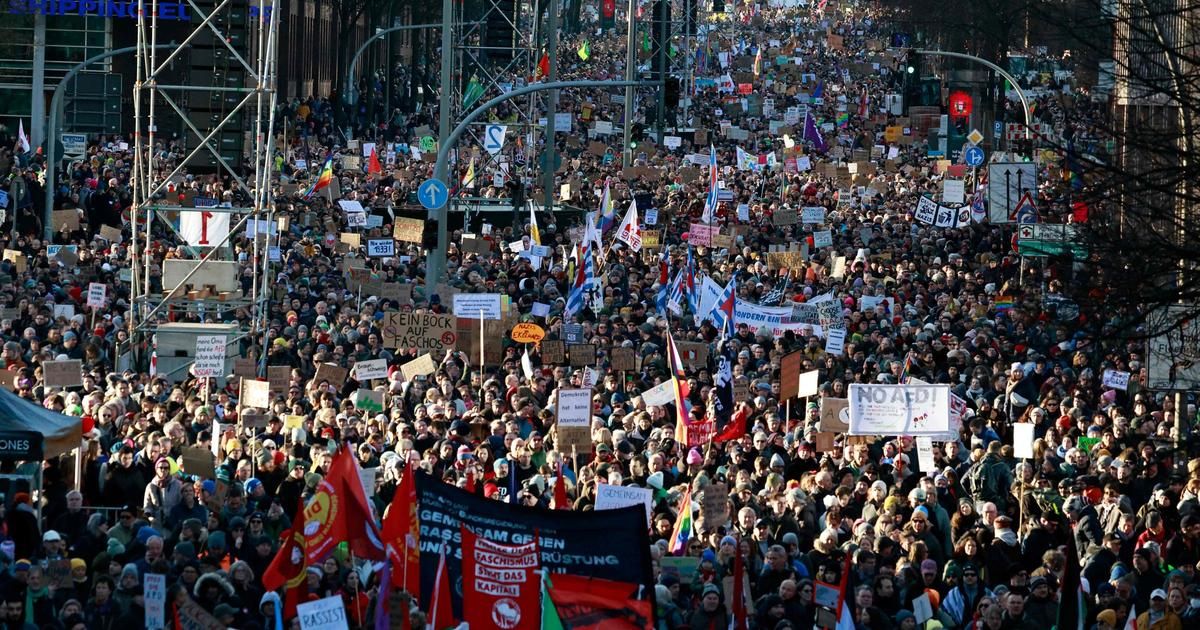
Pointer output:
630, 68
551, 152
664, 42
435, 264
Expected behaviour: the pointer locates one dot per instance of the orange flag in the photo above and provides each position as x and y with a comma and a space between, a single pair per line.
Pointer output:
402, 535
339, 511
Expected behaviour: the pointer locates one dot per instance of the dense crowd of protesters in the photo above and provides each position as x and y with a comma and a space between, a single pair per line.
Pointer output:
985, 536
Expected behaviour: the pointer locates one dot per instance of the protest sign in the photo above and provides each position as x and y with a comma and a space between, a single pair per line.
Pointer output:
835, 415
255, 393
210, 356
429, 332
420, 366
381, 247
332, 373
714, 507
659, 395
477, 305
96, 294
500, 582
244, 368
1023, 439
154, 594
611, 497
1116, 379
194, 617
367, 370
809, 384
622, 359
527, 332
279, 378
582, 354
199, 461
579, 543
573, 417
408, 230
880, 410
62, 373
324, 614
789, 375
368, 400
553, 351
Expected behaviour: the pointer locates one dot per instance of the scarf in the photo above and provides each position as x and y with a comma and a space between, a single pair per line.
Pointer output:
31, 596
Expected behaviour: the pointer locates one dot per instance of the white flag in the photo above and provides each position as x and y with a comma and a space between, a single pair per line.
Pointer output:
628, 232
22, 139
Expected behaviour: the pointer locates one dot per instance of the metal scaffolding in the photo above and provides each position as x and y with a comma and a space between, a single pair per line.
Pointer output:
231, 106
497, 43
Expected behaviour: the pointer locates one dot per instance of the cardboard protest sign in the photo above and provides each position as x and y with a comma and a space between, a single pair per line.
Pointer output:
423, 331
244, 368
199, 461
62, 373
255, 394
693, 354
408, 230
333, 373
368, 400
622, 359
835, 415
553, 351
582, 354
789, 375
421, 366
714, 507
279, 378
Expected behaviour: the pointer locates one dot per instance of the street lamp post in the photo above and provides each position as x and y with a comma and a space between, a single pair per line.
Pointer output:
56, 107
351, 97
435, 264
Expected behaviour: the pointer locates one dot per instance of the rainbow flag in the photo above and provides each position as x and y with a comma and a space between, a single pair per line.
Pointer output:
683, 526
322, 179
905, 370
1003, 303
843, 119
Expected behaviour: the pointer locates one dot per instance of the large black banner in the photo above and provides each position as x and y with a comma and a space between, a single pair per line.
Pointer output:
609, 544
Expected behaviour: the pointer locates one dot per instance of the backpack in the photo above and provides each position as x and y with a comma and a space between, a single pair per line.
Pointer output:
980, 484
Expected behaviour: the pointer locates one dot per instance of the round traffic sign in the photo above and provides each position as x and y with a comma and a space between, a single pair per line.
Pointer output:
432, 193
973, 156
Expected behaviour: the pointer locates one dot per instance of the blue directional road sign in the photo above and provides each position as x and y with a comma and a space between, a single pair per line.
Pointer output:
973, 156
432, 193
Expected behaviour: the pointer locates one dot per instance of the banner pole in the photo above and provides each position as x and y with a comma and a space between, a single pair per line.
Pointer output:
482, 341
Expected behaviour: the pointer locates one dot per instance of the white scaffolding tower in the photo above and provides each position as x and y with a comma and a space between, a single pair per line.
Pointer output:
243, 37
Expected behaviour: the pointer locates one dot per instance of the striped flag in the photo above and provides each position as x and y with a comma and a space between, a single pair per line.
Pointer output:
723, 310
608, 215
683, 526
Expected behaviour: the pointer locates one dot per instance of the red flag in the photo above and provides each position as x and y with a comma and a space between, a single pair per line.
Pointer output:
585, 603
1079, 212
441, 615
373, 165
287, 571
561, 502
402, 535
735, 428
501, 584
739, 592
339, 511
543, 68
